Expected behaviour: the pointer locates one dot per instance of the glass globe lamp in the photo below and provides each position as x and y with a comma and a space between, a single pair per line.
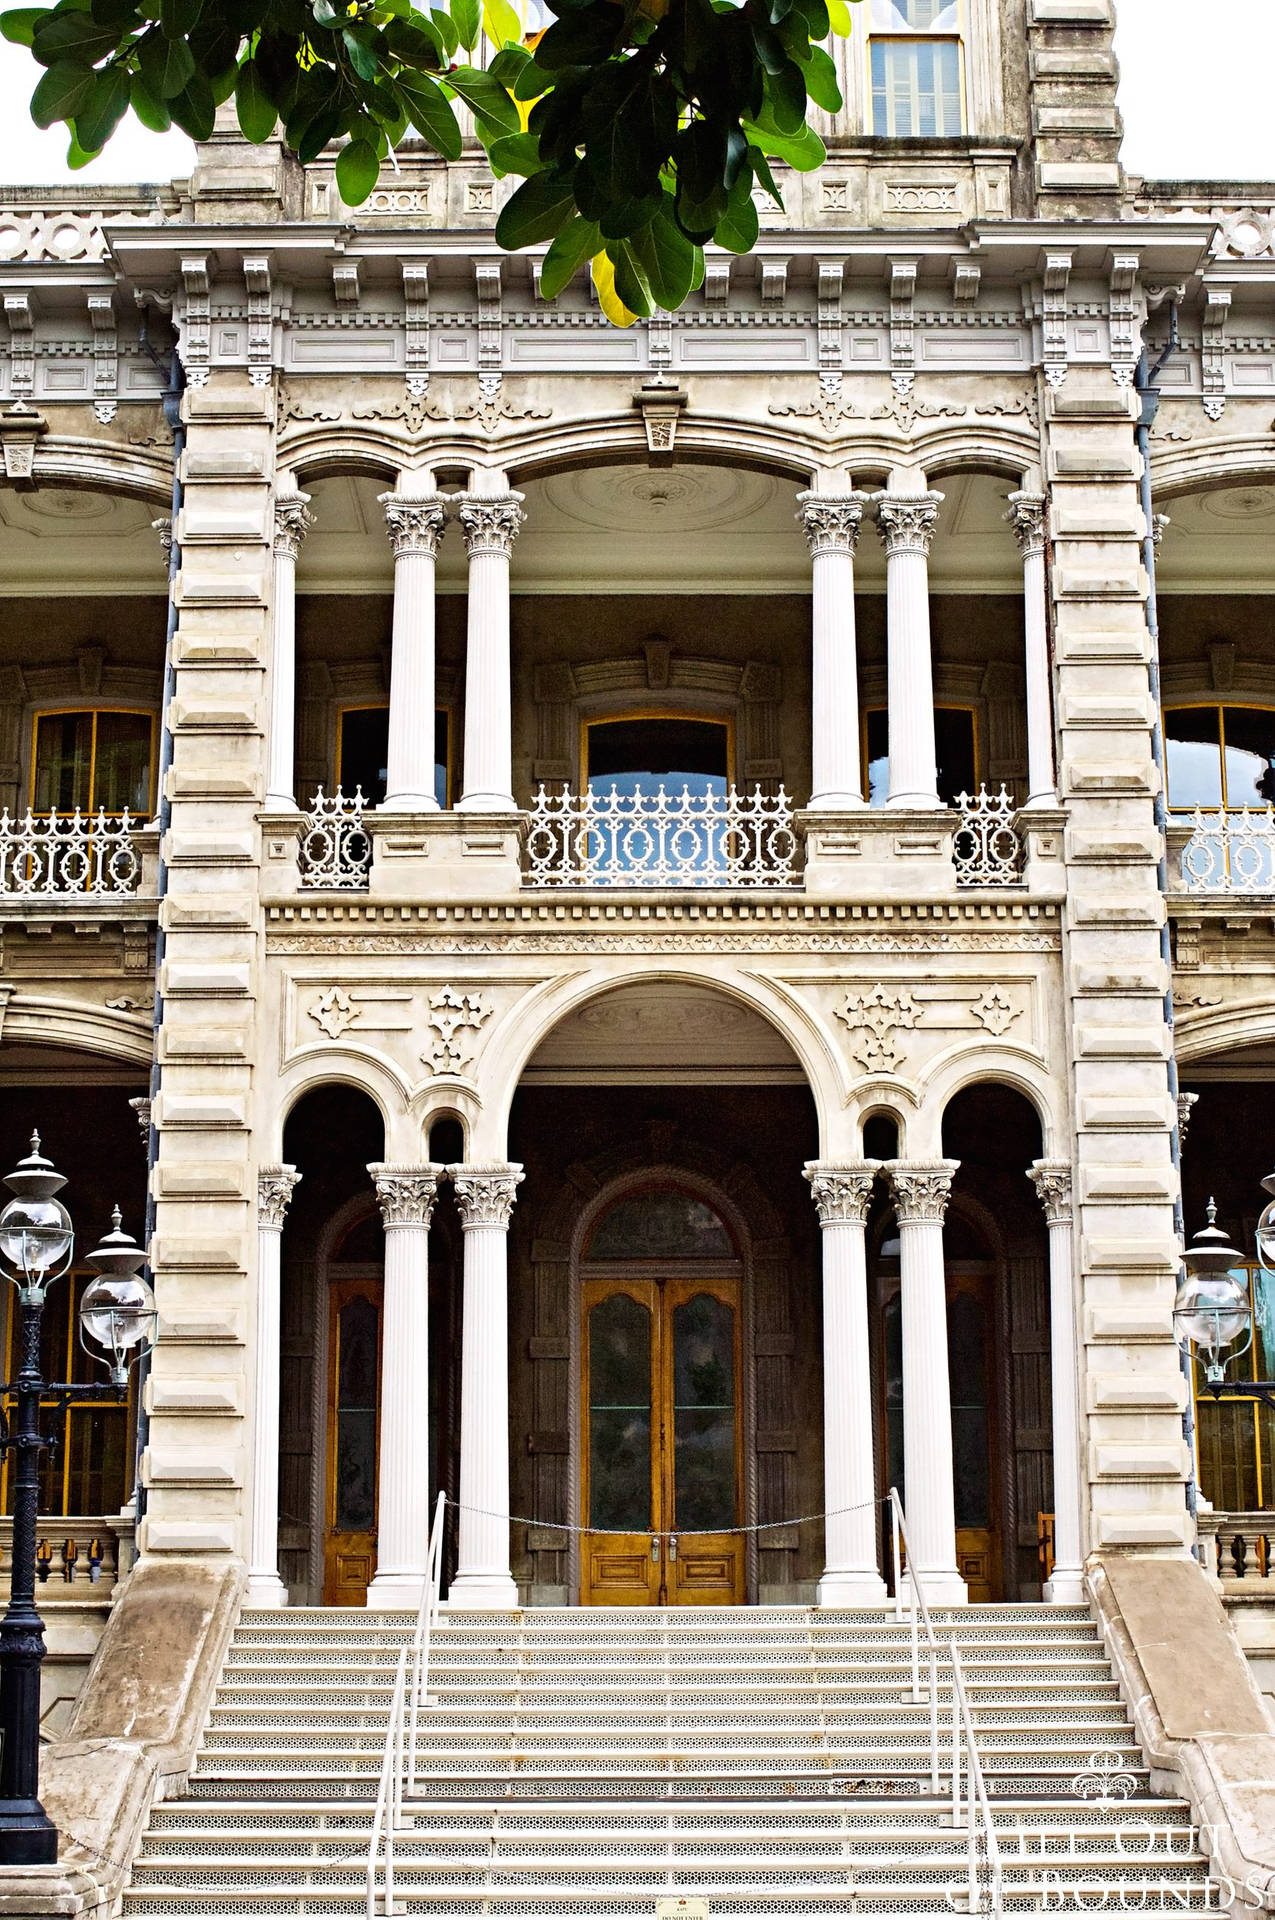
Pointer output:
36, 1236
117, 1311
1264, 1233
1210, 1315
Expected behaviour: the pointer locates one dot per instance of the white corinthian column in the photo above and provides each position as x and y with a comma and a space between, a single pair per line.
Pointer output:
831, 524
850, 1576
907, 522
291, 519
403, 1503
265, 1589
415, 528
490, 524
920, 1197
1052, 1181
485, 1197
1027, 516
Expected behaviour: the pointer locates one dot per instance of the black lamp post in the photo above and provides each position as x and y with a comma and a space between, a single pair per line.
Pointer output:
118, 1314
1212, 1316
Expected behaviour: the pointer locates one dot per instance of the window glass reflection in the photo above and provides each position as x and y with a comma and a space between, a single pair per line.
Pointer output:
1250, 756
660, 1226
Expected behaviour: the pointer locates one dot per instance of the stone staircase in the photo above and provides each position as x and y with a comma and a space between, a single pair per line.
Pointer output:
582, 1763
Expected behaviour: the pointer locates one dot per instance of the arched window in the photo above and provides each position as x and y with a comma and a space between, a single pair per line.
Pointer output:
661, 1223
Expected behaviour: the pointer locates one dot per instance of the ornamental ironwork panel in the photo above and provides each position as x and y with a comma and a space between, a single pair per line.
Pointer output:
987, 848
68, 853
335, 849
661, 839
1230, 852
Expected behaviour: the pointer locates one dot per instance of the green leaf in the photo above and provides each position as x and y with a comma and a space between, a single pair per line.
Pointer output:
630, 279
532, 81
485, 97
761, 168
76, 157
501, 23
168, 66
103, 110
177, 17
516, 153
738, 227
508, 65
18, 24
71, 36
256, 110
838, 16
786, 92
364, 59
803, 151
578, 241
151, 112
446, 29
538, 210
61, 93
194, 109
430, 112
821, 80
668, 260
467, 19
357, 170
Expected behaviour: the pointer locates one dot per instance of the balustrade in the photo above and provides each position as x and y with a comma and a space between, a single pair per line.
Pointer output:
335, 850
988, 849
1230, 852
661, 839
68, 853
1237, 1546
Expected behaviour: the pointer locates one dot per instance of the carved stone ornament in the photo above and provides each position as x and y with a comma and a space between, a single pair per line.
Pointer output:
872, 1019
841, 1190
292, 520
921, 1193
334, 1011
1052, 1181
994, 1010
1186, 1102
907, 521
485, 1195
406, 1195
414, 526
831, 522
490, 523
142, 1108
163, 530
455, 1019
1027, 517
274, 1190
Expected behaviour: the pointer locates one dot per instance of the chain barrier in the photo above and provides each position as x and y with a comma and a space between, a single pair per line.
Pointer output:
668, 1533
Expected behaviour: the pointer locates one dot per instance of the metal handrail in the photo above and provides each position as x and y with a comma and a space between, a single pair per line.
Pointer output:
964, 1743
411, 1693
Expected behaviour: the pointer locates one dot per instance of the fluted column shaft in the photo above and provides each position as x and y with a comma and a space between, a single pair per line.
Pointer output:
1027, 515
485, 1197
921, 1196
831, 525
415, 528
1052, 1181
291, 519
907, 522
850, 1575
490, 525
403, 1498
265, 1589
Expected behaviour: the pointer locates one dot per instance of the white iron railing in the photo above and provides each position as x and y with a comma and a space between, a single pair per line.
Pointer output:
661, 839
411, 1695
68, 853
1230, 852
335, 849
988, 849
971, 1811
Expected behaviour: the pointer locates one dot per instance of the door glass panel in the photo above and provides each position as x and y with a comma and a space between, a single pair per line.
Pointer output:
122, 764
660, 1226
355, 1492
363, 748
1250, 756
63, 762
953, 751
704, 1414
967, 1366
1193, 757
620, 1415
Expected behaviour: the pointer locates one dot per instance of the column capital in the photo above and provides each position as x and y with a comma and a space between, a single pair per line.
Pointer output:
274, 1191
1027, 517
485, 1194
405, 1195
841, 1189
490, 522
921, 1193
906, 521
292, 521
1052, 1181
414, 524
831, 521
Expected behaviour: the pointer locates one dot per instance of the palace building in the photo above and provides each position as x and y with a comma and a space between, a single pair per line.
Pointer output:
663, 900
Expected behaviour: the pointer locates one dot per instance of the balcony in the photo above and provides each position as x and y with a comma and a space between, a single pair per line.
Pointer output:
1223, 854
81, 857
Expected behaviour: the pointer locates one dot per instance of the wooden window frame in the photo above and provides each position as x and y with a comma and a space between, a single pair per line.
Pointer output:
625, 714
903, 36
80, 706
1210, 706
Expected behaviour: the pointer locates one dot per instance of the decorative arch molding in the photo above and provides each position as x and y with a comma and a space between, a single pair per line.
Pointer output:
40, 1020
1004, 1066
107, 466
1220, 1030
557, 1233
1213, 463
327, 451
340, 1067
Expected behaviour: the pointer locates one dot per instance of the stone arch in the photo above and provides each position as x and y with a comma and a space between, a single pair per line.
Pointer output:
338, 1066
1011, 1067
44, 1020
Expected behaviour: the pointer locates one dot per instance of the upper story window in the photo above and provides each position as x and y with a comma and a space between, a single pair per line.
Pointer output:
644, 753
914, 52
956, 749
362, 746
1220, 757
91, 758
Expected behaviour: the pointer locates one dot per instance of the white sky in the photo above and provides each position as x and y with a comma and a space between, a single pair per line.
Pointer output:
1195, 92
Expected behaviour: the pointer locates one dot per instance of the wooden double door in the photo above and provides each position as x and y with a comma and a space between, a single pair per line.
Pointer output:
662, 1441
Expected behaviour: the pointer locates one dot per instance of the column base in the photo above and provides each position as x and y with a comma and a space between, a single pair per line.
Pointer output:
836, 803
487, 803
265, 1590
918, 802
853, 1589
942, 1587
409, 803
396, 1592
483, 1592
1065, 1587
281, 803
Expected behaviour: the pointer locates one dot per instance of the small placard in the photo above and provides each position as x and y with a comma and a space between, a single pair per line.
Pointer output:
681, 1909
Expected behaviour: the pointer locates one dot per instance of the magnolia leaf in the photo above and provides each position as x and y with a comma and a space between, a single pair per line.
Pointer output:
357, 169
838, 16
431, 113
71, 36
61, 93
168, 66
538, 210
803, 151
102, 110
195, 109
484, 97
738, 227
515, 153
466, 18
821, 80
256, 110
18, 24
501, 22
668, 260
608, 299
179, 16
151, 112
577, 242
